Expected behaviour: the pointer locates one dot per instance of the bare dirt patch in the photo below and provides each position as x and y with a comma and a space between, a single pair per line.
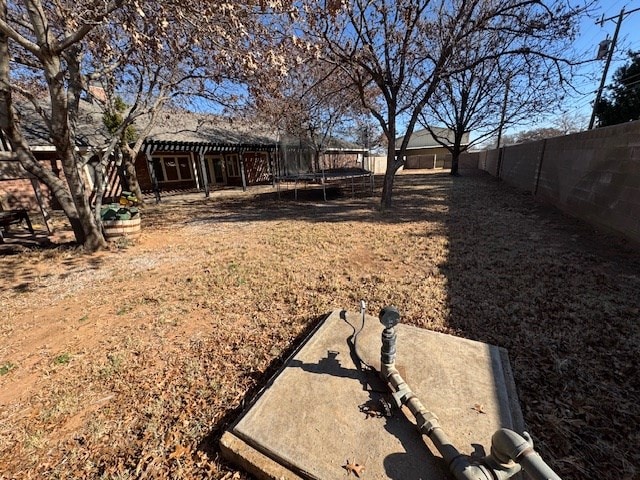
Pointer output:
129, 363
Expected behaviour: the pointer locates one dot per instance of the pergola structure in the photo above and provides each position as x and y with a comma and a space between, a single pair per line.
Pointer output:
200, 149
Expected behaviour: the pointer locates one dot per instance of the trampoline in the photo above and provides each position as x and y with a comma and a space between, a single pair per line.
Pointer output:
302, 165
354, 177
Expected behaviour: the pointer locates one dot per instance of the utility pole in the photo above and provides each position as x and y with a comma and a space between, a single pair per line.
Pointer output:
612, 47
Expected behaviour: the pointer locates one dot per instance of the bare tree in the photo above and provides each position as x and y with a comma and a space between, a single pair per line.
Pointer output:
314, 101
403, 49
41, 38
144, 57
491, 95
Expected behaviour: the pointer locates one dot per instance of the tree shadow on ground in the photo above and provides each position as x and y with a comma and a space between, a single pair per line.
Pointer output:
561, 296
20, 267
563, 299
310, 206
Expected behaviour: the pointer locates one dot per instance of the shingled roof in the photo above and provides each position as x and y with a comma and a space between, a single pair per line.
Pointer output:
90, 130
172, 127
182, 126
175, 126
424, 139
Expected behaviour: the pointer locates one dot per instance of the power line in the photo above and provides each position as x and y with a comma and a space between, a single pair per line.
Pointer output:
622, 14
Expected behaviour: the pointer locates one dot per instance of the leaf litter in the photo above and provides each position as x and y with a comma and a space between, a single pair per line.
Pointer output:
180, 329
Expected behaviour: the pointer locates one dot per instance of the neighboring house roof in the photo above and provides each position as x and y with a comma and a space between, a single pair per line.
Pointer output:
424, 139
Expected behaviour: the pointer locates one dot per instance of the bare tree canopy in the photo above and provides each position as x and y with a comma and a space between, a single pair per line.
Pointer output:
315, 101
391, 58
403, 50
492, 94
148, 53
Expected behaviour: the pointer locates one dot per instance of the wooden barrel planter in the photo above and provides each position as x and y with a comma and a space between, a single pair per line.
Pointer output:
115, 229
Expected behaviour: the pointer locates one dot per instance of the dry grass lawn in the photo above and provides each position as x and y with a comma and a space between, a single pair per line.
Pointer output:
129, 363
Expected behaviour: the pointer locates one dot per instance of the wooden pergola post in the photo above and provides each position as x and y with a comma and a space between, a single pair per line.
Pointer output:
194, 167
242, 172
45, 214
203, 169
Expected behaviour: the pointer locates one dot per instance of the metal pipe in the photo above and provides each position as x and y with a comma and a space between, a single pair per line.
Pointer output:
427, 421
507, 446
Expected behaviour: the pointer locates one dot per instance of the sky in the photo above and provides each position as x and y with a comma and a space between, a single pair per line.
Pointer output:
591, 34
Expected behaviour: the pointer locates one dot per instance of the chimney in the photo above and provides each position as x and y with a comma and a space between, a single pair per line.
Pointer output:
96, 92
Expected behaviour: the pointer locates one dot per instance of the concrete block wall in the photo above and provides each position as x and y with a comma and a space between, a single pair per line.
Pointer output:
593, 175
469, 161
520, 163
491, 162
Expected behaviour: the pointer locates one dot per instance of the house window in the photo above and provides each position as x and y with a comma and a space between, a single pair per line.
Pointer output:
232, 165
172, 168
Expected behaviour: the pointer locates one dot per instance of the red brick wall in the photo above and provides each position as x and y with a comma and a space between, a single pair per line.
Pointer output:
20, 194
142, 170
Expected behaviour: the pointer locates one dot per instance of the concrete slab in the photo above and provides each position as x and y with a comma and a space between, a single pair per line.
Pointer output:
312, 417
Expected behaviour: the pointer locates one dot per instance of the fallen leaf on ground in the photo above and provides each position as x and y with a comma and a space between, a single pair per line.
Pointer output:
354, 468
231, 476
179, 451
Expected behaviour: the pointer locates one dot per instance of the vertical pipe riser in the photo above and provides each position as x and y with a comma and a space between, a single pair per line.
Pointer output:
388, 350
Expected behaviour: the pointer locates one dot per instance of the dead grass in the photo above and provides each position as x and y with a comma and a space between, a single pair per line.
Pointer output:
130, 363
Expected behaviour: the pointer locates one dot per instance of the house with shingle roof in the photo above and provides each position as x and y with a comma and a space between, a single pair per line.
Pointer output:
191, 150
425, 150
184, 150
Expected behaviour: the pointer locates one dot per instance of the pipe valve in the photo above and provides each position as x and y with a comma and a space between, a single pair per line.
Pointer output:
389, 316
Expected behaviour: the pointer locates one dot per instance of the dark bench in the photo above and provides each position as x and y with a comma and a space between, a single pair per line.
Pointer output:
13, 217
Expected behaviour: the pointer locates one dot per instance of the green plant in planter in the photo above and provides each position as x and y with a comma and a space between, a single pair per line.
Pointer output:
125, 208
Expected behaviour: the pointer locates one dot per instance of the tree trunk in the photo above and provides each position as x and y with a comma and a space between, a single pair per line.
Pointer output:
392, 166
98, 190
316, 160
11, 127
129, 164
456, 150
63, 121
89, 235
387, 189
56, 186
455, 158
